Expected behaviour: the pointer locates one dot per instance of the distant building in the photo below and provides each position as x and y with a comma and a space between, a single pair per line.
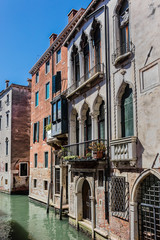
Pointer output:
15, 138
49, 82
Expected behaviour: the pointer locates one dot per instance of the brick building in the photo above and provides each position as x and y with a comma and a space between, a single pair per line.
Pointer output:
49, 81
15, 138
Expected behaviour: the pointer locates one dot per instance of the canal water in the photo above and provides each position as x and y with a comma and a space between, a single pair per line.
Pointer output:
21, 219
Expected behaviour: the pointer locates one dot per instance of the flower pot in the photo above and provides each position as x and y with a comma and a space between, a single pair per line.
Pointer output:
99, 155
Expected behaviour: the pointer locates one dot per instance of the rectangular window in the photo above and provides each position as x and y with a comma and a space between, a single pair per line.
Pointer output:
45, 185
54, 112
35, 183
118, 194
0, 105
46, 121
37, 99
23, 169
7, 120
6, 167
46, 159
47, 90
35, 160
36, 132
57, 181
0, 123
37, 77
6, 181
59, 109
57, 159
47, 67
6, 146
7, 98
58, 56
100, 178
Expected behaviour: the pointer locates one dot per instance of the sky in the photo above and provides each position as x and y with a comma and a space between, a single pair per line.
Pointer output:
25, 27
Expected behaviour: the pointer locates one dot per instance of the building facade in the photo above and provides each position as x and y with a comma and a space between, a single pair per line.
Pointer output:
49, 81
14, 138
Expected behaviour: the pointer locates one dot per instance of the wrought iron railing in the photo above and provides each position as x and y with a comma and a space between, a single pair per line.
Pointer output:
124, 48
98, 68
84, 151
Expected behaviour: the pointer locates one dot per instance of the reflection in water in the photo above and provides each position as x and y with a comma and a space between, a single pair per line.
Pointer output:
24, 220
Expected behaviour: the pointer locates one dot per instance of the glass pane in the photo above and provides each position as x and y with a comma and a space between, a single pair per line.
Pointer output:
59, 109
54, 112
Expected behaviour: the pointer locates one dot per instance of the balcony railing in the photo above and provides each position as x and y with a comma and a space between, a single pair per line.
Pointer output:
123, 151
84, 151
97, 70
122, 52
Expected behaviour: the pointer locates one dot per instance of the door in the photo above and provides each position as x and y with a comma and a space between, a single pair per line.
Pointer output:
86, 192
149, 209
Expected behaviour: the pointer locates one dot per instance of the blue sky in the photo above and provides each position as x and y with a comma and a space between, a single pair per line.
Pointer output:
25, 27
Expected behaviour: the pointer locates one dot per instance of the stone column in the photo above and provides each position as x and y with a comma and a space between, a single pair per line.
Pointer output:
94, 125
134, 222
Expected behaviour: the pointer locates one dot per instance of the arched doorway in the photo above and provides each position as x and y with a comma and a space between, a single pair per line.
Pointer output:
148, 199
86, 193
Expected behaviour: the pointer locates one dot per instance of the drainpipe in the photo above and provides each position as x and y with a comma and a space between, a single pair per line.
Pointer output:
107, 68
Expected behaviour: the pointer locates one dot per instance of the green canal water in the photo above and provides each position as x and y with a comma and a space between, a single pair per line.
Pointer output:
21, 219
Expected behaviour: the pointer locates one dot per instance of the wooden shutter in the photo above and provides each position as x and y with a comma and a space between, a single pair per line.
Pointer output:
58, 82
54, 84
49, 119
34, 133
44, 128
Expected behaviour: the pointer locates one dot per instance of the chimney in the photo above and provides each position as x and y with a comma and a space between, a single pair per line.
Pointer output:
29, 82
71, 15
7, 83
52, 38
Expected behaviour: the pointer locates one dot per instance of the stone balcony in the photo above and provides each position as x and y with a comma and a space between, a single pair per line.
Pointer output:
124, 152
55, 141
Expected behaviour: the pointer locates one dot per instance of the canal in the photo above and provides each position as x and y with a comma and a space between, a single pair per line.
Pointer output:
21, 219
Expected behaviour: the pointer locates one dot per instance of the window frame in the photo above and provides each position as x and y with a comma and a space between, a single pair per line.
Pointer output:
47, 67
57, 184
37, 99
46, 165
6, 167
47, 89
20, 164
35, 160
58, 56
35, 183
7, 146
99, 181
37, 77
45, 185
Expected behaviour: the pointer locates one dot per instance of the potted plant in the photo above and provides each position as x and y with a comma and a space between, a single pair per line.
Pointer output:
48, 127
98, 149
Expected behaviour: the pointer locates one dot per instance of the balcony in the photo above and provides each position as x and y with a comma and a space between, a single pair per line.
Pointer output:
123, 152
88, 151
55, 141
123, 53
91, 78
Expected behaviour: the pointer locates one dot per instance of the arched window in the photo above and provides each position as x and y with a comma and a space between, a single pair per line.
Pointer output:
96, 38
6, 146
101, 122
88, 127
124, 26
127, 113
76, 67
77, 133
85, 49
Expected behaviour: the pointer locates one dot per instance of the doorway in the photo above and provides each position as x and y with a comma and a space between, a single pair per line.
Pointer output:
86, 193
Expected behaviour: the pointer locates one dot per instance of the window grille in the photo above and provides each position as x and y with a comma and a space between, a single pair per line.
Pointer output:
119, 197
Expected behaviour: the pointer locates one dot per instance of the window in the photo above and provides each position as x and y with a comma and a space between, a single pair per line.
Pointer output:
57, 159
58, 56
0, 123
118, 194
87, 127
37, 99
37, 77
7, 119
0, 105
56, 82
101, 122
6, 167
35, 183
85, 49
45, 185
54, 112
127, 113
7, 98
57, 181
36, 132
23, 169
6, 181
47, 67
6, 146
46, 121
35, 160
47, 90
100, 178
76, 66
46, 159
59, 109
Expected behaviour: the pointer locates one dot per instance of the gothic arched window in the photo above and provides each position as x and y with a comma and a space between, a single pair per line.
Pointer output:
101, 122
76, 67
85, 49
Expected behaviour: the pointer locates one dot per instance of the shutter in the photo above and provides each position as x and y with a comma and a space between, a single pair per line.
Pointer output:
43, 128
34, 133
54, 84
37, 131
49, 119
58, 82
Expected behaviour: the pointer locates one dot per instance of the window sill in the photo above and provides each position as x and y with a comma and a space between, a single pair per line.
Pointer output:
120, 59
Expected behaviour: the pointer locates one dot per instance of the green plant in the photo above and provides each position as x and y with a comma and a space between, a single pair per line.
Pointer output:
62, 152
88, 155
97, 147
70, 157
48, 127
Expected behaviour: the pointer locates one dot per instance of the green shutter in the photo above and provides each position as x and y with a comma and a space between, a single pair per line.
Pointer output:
54, 84
34, 133
49, 119
58, 82
43, 128
37, 131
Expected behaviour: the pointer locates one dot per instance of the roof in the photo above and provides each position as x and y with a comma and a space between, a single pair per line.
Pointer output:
57, 42
13, 85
